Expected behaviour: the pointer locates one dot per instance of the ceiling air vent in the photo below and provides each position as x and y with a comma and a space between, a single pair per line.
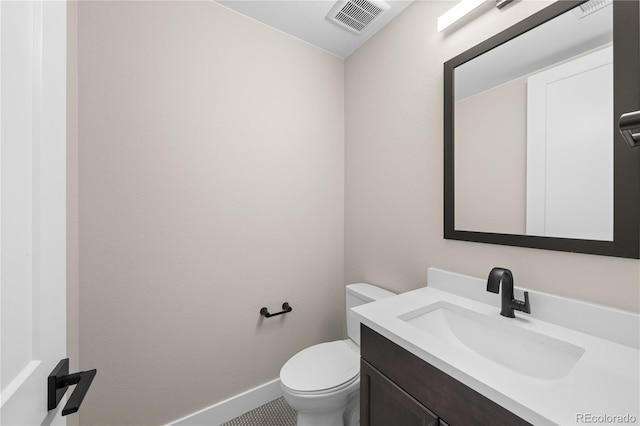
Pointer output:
356, 15
589, 7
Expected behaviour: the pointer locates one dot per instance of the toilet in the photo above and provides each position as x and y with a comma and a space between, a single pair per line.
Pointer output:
322, 382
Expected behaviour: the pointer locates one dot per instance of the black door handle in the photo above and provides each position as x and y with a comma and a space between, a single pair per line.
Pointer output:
58, 382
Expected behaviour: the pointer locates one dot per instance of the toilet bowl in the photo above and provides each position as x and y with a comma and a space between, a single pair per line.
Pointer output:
322, 382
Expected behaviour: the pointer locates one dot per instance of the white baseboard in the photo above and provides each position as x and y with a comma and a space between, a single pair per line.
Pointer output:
233, 407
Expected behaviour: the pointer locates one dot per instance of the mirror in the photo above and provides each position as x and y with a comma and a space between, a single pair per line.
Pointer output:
533, 155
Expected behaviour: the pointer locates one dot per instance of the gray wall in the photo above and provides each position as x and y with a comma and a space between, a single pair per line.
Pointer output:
394, 169
211, 183
491, 158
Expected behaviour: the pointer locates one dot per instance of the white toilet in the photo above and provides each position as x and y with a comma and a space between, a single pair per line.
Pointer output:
322, 382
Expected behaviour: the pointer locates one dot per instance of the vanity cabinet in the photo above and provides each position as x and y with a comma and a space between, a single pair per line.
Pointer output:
398, 388
388, 404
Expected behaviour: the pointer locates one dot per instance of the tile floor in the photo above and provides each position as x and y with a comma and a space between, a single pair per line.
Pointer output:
274, 413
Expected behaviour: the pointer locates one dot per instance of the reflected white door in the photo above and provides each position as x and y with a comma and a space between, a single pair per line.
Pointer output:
570, 149
32, 206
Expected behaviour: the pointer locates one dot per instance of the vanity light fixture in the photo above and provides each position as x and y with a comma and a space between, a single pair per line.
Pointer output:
502, 3
465, 7
457, 12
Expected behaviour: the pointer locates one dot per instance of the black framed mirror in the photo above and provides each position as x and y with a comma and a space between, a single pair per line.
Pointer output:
533, 156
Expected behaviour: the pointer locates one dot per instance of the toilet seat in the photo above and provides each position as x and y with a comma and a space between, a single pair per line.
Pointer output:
324, 368
324, 391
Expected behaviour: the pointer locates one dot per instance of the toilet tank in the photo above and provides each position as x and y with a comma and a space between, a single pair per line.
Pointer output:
359, 294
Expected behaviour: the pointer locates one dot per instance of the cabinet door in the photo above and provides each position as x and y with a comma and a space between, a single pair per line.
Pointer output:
383, 403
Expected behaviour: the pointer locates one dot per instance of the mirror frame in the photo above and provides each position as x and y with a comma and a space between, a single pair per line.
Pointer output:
626, 69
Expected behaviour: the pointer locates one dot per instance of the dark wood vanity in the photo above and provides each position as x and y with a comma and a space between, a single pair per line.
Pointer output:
398, 388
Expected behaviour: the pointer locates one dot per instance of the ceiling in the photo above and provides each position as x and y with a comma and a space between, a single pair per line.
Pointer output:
306, 20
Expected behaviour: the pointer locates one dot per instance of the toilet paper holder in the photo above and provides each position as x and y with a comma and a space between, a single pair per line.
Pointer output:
285, 308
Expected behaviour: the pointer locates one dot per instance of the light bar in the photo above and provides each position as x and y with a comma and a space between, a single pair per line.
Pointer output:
457, 12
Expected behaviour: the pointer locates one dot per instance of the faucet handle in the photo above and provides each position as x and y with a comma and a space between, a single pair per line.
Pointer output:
524, 306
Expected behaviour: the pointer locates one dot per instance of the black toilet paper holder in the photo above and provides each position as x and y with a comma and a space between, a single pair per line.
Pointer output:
285, 308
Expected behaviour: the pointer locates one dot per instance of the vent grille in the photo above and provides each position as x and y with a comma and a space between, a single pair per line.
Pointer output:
589, 7
356, 15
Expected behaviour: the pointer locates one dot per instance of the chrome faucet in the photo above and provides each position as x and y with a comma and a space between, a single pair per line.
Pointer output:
509, 303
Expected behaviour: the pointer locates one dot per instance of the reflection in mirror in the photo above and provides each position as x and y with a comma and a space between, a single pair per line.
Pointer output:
534, 131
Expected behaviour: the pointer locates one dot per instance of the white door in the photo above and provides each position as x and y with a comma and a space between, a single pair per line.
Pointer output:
32, 206
569, 122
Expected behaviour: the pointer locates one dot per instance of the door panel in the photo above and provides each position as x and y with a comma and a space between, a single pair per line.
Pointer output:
569, 185
383, 403
32, 206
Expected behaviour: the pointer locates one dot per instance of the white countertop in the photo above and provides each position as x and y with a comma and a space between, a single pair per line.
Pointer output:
604, 382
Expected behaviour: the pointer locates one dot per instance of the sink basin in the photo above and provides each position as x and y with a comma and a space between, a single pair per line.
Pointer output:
497, 340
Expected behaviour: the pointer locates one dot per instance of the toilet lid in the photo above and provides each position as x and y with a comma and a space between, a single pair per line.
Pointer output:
321, 367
